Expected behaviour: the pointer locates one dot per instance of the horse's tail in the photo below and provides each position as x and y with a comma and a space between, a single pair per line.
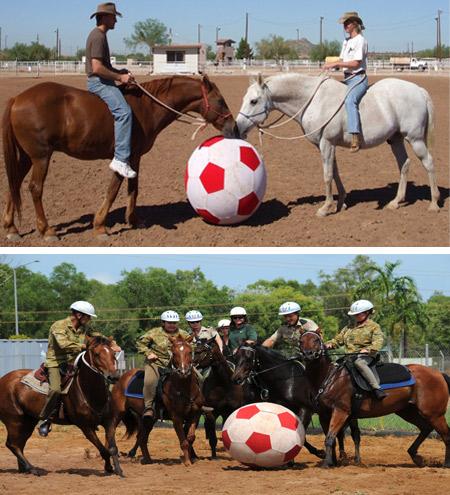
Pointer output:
429, 132
447, 379
130, 422
11, 156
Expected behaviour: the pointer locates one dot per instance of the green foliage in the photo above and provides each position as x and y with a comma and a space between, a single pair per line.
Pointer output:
19, 336
31, 52
244, 50
149, 32
210, 53
327, 49
438, 313
275, 48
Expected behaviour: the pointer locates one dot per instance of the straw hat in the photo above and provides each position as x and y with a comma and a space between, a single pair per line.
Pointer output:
106, 8
353, 16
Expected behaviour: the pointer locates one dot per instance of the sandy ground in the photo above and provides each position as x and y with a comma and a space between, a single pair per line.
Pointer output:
74, 190
72, 465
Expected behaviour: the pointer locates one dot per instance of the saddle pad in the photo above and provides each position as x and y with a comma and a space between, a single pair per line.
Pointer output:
394, 375
41, 387
136, 386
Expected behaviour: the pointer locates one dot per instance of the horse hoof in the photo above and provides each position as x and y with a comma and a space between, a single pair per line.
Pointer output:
434, 207
146, 461
13, 237
418, 461
102, 237
393, 205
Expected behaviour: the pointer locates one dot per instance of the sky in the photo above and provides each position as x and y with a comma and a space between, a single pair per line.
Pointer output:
390, 25
431, 272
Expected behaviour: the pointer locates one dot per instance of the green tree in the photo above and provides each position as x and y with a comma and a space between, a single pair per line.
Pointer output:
318, 53
25, 53
244, 50
149, 32
438, 313
68, 285
275, 48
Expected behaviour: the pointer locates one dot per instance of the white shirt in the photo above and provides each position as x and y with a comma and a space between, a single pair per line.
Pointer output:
355, 49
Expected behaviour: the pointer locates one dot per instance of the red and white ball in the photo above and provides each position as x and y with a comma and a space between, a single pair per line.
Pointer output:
263, 434
225, 180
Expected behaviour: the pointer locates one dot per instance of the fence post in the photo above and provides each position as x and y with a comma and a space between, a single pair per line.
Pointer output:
427, 355
442, 368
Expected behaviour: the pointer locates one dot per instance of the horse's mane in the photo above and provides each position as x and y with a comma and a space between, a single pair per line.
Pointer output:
99, 340
160, 85
280, 359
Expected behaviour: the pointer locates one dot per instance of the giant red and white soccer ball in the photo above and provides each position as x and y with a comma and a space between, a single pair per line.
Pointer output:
225, 180
263, 434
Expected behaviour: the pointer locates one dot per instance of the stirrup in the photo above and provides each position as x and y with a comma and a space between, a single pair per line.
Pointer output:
148, 413
207, 409
45, 428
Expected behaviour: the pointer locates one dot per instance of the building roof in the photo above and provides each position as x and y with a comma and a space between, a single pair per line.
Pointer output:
221, 41
178, 47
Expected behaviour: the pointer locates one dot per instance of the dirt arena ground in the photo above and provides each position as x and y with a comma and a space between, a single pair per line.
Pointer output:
71, 465
74, 190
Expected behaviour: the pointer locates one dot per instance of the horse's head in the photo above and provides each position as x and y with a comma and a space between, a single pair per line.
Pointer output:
245, 360
206, 353
256, 106
215, 110
101, 356
182, 356
311, 346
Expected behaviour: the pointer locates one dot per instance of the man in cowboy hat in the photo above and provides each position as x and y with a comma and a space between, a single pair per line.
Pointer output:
353, 60
101, 81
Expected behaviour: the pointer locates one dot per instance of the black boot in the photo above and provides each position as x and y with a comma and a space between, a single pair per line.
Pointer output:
379, 394
45, 428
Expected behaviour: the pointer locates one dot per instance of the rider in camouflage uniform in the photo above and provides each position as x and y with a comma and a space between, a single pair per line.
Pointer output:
201, 333
364, 337
155, 346
65, 341
286, 338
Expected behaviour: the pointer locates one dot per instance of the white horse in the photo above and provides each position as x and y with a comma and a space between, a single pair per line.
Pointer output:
392, 110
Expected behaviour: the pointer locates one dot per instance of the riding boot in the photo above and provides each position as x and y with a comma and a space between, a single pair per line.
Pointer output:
49, 412
379, 393
356, 143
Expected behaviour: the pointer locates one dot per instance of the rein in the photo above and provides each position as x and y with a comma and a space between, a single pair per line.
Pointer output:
256, 373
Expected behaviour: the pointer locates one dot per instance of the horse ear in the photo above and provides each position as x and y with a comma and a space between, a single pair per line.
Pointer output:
260, 79
189, 339
207, 82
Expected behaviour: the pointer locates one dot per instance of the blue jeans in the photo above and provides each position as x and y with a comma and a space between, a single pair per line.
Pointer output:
123, 116
352, 101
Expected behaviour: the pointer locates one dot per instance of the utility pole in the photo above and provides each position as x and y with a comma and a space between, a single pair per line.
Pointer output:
439, 34
0, 39
198, 33
412, 49
321, 21
217, 33
59, 48
246, 28
57, 43
298, 35
15, 293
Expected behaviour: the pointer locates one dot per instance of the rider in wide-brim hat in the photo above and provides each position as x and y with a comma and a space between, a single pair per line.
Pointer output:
106, 8
351, 16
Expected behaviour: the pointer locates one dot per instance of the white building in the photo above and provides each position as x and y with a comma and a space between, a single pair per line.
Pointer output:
179, 59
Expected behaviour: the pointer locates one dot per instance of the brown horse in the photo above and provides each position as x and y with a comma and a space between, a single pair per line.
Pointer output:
181, 398
423, 404
86, 405
51, 117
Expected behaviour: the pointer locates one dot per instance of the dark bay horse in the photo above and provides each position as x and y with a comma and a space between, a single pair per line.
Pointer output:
86, 405
283, 381
219, 390
423, 404
52, 117
181, 398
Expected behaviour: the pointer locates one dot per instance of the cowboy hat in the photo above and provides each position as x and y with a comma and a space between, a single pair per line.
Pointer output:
351, 16
106, 8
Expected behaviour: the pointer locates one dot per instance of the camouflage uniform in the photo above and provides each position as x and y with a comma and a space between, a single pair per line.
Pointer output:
239, 335
286, 338
367, 335
157, 341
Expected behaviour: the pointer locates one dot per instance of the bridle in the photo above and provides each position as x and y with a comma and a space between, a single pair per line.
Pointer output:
265, 111
182, 371
82, 357
312, 355
207, 105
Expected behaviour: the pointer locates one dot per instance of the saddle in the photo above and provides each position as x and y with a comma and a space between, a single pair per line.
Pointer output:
136, 386
66, 371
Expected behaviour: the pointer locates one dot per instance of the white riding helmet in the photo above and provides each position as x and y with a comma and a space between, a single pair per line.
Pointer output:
170, 316
223, 323
194, 315
84, 307
360, 306
238, 311
289, 307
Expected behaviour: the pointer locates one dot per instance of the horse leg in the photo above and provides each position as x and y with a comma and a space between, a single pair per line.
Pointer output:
397, 144
338, 420
189, 431
340, 187
91, 435
441, 426
8, 217
184, 443
110, 435
356, 437
36, 187
327, 151
412, 415
133, 189
210, 432
18, 434
146, 427
102, 212
421, 151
